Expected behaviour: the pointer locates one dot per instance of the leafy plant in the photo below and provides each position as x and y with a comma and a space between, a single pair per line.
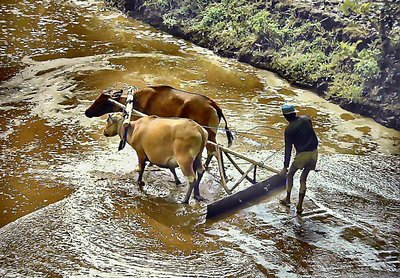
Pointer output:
367, 63
346, 85
356, 6
157, 3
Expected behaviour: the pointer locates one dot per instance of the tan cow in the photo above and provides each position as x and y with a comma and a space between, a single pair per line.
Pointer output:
165, 142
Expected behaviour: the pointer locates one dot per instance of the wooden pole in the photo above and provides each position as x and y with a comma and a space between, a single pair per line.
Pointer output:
138, 113
125, 108
129, 107
221, 169
243, 177
246, 158
238, 168
116, 103
255, 173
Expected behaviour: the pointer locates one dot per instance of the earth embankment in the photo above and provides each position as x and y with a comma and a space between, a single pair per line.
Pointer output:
346, 51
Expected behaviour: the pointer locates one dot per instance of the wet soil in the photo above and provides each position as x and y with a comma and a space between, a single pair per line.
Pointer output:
69, 205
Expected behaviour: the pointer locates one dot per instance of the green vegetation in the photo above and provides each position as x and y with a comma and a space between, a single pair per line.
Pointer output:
356, 6
301, 50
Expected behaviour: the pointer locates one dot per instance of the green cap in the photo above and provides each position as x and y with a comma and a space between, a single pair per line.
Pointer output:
288, 109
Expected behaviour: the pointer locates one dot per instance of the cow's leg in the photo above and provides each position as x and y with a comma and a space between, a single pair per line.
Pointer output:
208, 160
200, 172
189, 192
197, 195
142, 165
177, 181
211, 150
187, 169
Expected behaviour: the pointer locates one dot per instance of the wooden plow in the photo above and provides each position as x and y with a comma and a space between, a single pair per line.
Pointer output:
247, 197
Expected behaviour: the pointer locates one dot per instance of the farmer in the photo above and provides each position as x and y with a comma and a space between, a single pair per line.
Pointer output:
301, 134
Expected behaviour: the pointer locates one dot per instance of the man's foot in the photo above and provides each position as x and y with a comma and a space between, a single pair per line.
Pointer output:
285, 202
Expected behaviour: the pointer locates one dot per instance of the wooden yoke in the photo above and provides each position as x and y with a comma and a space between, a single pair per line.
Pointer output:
129, 107
127, 116
128, 111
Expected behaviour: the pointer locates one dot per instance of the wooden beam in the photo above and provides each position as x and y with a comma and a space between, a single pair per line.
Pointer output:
124, 107
238, 168
255, 173
243, 177
120, 105
129, 107
138, 113
246, 158
247, 197
221, 170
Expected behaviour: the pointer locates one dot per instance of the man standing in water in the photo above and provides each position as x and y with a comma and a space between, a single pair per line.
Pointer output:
301, 134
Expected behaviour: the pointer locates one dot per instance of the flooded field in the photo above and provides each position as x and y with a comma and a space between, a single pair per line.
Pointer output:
69, 205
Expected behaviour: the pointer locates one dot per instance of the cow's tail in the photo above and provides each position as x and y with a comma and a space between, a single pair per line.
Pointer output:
229, 134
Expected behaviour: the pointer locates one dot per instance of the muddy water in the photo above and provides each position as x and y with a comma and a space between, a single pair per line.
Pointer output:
68, 202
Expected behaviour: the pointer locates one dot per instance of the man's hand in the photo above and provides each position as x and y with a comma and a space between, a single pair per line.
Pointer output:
283, 172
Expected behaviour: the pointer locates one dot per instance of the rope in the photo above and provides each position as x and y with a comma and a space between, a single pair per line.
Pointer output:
246, 132
251, 133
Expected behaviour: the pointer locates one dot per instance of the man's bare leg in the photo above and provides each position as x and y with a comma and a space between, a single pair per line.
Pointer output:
289, 185
303, 188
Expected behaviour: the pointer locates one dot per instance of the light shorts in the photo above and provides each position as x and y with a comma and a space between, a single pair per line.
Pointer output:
304, 159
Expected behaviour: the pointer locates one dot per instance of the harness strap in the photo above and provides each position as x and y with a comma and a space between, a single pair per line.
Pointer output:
122, 143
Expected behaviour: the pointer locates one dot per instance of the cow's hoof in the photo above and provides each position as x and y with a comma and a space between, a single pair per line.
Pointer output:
285, 202
179, 184
299, 211
200, 198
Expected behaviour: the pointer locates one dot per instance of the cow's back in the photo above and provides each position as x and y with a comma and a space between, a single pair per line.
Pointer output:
163, 139
165, 101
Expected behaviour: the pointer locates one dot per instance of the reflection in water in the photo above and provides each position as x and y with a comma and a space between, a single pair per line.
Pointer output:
68, 201
31, 153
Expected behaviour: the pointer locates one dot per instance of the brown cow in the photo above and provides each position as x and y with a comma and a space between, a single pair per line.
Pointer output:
165, 101
165, 142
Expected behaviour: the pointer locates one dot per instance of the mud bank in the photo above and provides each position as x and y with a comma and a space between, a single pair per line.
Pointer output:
333, 49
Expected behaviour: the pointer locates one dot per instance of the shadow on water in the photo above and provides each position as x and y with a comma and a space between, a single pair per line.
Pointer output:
68, 201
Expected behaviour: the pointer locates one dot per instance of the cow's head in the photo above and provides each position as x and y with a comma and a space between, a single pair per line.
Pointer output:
102, 106
114, 121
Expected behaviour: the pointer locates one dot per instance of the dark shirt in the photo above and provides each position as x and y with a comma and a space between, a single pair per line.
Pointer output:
301, 134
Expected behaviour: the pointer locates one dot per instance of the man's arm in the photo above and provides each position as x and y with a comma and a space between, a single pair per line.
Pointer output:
288, 150
288, 153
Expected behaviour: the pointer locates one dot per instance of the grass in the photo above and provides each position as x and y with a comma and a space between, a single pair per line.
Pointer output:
303, 50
